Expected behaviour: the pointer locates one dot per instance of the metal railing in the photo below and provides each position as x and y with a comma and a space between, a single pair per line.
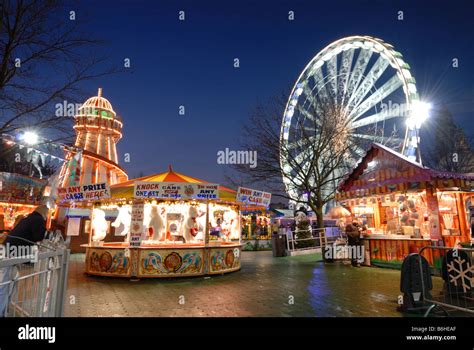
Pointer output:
321, 237
455, 293
35, 286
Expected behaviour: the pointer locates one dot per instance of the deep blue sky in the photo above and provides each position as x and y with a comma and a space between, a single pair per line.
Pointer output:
190, 63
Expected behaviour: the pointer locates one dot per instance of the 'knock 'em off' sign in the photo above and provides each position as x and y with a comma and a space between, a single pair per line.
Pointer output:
84, 192
173, 190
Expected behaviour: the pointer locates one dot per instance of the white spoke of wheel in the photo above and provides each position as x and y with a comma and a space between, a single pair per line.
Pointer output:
320, 85
305, 143
385, 90
313, 102
347, 58
358, 72
386, 114
308, 115
374, 74
332, 75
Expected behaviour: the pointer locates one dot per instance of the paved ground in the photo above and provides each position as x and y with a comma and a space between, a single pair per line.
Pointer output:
266, 286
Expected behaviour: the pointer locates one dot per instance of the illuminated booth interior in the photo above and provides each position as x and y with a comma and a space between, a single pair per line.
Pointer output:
19, 196
406, 206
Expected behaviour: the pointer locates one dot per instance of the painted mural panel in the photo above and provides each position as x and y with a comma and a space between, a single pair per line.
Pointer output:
224, 259
107, 262
171, 262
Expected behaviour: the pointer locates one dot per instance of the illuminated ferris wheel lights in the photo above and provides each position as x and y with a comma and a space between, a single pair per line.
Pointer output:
353, 75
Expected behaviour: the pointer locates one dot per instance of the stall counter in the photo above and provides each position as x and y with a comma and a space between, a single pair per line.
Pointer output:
390, 250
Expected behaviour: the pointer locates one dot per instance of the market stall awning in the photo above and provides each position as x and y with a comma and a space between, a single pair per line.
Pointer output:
383, 170
125, 189
284, 213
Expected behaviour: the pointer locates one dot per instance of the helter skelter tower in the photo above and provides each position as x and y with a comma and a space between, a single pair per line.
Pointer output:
98, 129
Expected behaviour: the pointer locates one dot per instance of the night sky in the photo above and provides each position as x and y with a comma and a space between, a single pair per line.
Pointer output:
190, 63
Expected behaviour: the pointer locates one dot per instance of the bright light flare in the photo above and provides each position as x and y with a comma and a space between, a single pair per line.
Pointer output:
420, 111
30, 138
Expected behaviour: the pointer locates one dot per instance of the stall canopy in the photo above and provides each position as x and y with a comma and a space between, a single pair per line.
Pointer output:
125, 189
383, 171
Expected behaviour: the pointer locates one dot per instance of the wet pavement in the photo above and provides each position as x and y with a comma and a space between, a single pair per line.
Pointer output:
266, 286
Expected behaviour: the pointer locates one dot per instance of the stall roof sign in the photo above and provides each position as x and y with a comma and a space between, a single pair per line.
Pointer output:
175, 190
384, 168
253, 197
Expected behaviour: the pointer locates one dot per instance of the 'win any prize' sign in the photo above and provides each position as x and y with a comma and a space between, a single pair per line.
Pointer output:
175, 190
84, 192
253, 197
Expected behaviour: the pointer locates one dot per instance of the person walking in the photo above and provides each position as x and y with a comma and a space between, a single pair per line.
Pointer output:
26, 233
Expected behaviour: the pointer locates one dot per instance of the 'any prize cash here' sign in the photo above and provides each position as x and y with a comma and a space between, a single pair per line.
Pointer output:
175, 190
84, 192
253, 197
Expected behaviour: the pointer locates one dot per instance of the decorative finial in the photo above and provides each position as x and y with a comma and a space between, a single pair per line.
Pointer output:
99, 93
170, 168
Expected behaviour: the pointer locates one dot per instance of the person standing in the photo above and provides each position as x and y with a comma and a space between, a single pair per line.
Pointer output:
354, 241
27, 232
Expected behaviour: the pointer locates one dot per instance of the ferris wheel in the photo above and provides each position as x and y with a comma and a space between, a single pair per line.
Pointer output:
373, 91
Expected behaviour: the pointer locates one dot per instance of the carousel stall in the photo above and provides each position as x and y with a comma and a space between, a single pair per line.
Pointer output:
163, 225
406, 206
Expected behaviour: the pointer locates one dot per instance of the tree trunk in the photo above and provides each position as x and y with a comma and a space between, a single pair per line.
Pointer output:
318, 210
322, 233
320, 216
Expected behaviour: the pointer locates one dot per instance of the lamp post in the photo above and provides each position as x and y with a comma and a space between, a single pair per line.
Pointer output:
30, 138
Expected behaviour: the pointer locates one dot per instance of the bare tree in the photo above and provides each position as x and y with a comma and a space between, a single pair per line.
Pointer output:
311, 164
44, 57
447, 146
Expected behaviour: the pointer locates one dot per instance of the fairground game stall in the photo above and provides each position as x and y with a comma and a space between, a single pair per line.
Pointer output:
406, 206
164, 225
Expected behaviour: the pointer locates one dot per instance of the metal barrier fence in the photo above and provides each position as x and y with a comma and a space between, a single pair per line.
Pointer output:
452, 289
320, 238
35, 289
